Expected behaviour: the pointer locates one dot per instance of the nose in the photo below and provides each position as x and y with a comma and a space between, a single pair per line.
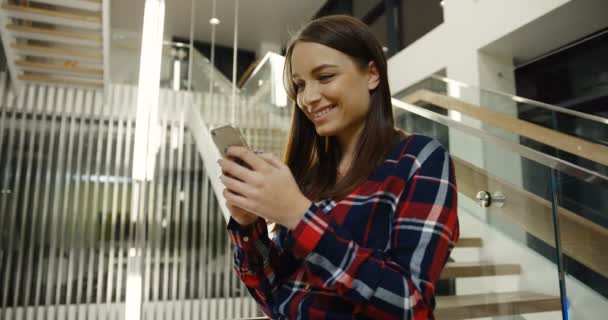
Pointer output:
310, 95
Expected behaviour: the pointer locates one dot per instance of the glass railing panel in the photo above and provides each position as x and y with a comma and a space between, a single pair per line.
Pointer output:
528, 215
264, 115
583, 225
505, 115
569, 120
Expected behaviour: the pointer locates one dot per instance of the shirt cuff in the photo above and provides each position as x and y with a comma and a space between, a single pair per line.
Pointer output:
245, 236
304, 238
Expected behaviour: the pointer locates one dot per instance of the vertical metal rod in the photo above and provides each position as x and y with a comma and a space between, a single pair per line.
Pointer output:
177, 209
104, 241
4, 187
189, 223
48, 170
74, 241
201, 211
80, 207
96, 237
153, 224
235, 51
34, 225
179, 214
124, 223
52, 282
168, 294
561, 272
161, 219
227, 278
66, 208
4, 150
87, 214
152, 227
10, 193
56, 193
191, 42
214, 268
193, 197
112, 294
15, 220
212, 60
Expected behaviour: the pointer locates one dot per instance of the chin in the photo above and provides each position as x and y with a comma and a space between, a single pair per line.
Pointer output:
326, 131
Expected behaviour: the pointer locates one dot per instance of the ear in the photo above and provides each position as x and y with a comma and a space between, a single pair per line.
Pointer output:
373, 76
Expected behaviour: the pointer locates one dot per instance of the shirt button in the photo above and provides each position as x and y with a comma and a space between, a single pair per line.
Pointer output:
246, 239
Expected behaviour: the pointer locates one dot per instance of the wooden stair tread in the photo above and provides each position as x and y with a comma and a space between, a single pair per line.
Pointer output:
469, 243
494, 304
76, 4
69, 52
51, 13
478, 269
60, 80
61, 67
52, 32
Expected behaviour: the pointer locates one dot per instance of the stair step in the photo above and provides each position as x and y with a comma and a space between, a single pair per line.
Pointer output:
78, 36
63, 68
469, 243
48, 79
476, 269
494, 304
63, 53
76, 4
52, 16
79, 39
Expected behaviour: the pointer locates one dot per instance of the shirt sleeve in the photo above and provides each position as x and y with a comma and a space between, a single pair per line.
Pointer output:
260, 262
397, 283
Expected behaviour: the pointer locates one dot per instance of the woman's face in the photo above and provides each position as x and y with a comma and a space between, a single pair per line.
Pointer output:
332, 91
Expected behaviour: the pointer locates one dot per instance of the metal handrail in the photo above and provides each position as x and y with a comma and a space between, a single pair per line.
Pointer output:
515, 98
552, 162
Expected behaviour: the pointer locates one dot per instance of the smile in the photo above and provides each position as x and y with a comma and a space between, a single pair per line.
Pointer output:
323, 112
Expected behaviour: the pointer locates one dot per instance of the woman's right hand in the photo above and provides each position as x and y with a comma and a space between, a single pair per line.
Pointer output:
241, 216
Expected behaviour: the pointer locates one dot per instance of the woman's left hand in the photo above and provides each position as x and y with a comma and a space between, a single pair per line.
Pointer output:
268, 189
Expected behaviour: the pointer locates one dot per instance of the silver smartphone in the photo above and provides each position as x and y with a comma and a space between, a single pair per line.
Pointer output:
227, 136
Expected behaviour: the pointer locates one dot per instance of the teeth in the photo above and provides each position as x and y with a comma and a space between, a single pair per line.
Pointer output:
321, 113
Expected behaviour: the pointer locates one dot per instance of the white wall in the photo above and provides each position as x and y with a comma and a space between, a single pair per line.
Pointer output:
468, 26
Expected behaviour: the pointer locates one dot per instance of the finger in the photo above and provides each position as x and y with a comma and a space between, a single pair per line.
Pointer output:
236, 186
271, 159
237, 200
235, 170
248, 156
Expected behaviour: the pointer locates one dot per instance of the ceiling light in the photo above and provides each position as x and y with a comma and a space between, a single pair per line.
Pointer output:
214, 21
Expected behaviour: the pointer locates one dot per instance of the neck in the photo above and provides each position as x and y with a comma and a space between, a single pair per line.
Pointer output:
348, 143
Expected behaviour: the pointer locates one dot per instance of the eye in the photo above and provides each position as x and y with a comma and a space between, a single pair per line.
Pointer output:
326, 76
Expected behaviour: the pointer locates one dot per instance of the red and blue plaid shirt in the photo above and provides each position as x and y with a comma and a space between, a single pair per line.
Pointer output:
376, 254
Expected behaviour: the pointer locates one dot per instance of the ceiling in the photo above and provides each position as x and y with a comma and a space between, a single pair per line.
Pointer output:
558, 28
259, 20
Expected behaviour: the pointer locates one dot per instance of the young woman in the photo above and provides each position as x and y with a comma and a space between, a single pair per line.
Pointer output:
366, 214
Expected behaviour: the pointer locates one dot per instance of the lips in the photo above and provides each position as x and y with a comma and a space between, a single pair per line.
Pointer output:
319, 113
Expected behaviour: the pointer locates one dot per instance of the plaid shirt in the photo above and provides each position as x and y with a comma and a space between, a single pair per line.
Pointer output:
376, 254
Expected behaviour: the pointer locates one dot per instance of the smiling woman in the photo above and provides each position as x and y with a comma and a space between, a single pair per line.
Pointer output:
366, 213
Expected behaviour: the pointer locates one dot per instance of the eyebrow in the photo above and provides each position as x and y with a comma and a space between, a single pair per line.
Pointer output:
316, 69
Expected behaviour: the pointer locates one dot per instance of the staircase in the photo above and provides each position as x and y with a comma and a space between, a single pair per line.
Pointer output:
490, 304
58, 42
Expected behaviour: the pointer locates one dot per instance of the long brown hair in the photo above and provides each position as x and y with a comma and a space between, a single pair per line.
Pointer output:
314, 159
